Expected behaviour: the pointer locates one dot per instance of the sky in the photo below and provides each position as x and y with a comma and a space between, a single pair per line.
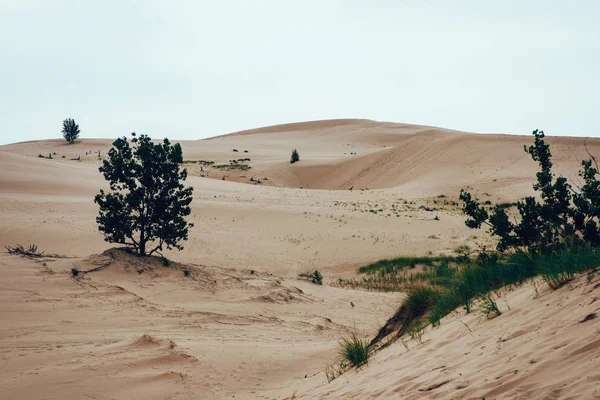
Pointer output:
194, 69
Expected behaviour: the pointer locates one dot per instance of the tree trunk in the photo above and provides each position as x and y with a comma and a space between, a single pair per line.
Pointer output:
142, 249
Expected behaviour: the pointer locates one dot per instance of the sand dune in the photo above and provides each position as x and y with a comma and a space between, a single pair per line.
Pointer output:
242, 324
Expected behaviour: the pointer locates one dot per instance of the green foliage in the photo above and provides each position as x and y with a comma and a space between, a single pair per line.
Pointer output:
354, 351
74, 271
165, 261
295, 157
70, 130
201, 162
314, 277
390, 266
243, 167
147, 203
563, 217
186, 272
416, 330
444, 287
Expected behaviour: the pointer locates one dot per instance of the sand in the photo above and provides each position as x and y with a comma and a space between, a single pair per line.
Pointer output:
242, 324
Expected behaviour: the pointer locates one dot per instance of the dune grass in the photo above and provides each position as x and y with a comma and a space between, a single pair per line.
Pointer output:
354, 351
391, 266
472, 283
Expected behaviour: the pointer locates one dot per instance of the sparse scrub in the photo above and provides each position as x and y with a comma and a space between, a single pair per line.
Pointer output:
32, 251
390, 266
416, 330
488, 307
314, 277
186, 272
243, 167
165, 261
74, 271
201, 162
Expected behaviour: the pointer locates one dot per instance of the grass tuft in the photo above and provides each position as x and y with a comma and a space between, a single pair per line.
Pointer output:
354, 351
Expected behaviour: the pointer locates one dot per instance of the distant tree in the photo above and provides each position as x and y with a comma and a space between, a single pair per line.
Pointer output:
70, 130
295, 157
148, 203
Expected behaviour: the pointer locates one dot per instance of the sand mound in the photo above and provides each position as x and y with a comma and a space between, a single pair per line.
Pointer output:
541, 347
284, 295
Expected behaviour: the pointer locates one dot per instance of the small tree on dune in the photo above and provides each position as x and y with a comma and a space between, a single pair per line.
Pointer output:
295, 157
70, 130
147, 203
566, 216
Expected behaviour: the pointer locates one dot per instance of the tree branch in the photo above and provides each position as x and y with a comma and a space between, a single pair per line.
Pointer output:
590, 154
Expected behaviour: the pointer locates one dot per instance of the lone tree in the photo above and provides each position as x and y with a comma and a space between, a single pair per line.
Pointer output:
567, 216
70, 130
147, 204
295, 157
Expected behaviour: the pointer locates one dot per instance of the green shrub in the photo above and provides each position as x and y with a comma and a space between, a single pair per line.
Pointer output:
74, 271
295, 157
186, 272
314, 277
165, 261
563, 217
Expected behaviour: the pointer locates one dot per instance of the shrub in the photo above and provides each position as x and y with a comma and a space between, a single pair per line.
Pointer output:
314, 277
165, 261
186, 272
74, 271
295, 157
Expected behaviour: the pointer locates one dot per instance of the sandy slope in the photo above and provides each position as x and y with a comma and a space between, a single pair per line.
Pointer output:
225, 331
540, 348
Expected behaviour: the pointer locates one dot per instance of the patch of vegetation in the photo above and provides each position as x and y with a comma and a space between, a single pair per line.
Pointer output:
32, 251
391, 266
354, 351
314, 277
295, 157
489, 307
201, 162
165, 261
186, 272
506, 205
445, 286
242, 167
74, 271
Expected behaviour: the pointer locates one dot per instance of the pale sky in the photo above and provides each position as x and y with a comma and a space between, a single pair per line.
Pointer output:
194, 69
